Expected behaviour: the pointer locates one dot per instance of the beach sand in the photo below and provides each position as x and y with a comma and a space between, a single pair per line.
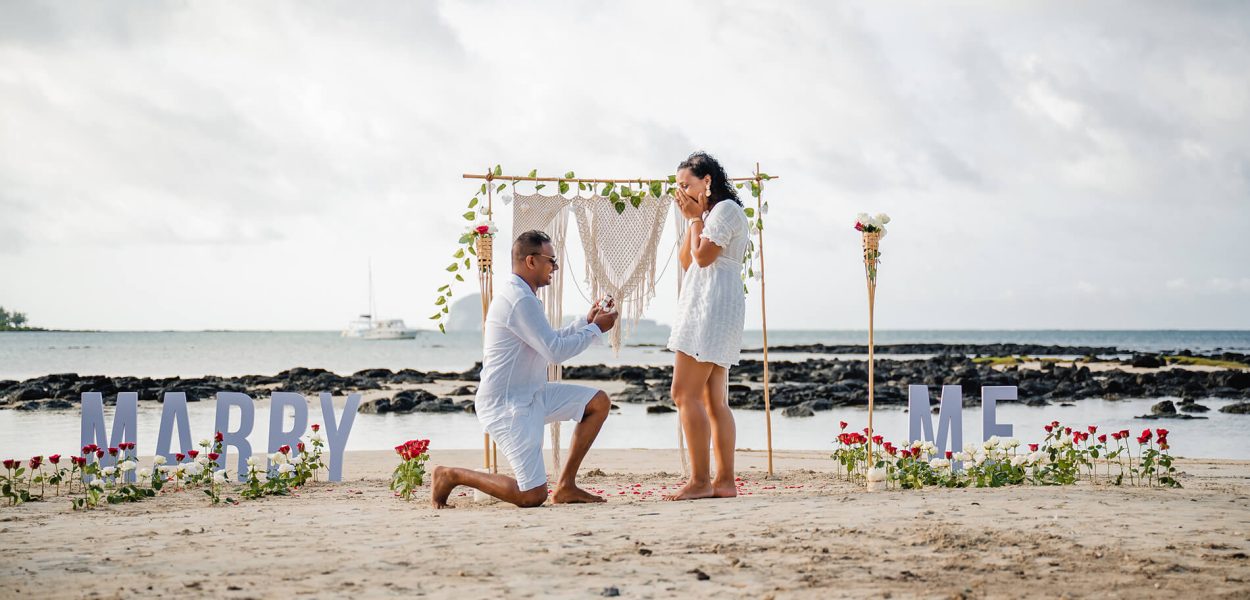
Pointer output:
804, 534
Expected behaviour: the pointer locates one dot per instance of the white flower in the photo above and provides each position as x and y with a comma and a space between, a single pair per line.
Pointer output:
193, 469
1013, 443
252, 462
979, 458
970, 449
882, 218
863, 219
286, 468
108, 471
205, 443
144, 473
764, 208
939, 463
992, 442
96, 483
159, 460
220, 476
1017, 461
278, 458
128, 465
315, 437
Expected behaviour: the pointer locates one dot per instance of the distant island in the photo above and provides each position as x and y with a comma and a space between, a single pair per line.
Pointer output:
14, 321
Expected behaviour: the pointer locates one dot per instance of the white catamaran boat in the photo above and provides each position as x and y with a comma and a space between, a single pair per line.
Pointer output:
368, 328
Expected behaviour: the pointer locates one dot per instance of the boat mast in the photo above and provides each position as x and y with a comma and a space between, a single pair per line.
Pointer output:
371, 313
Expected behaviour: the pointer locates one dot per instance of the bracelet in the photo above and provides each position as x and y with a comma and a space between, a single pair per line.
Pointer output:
696, 220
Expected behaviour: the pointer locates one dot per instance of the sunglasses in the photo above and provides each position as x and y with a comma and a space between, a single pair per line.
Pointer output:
554, 261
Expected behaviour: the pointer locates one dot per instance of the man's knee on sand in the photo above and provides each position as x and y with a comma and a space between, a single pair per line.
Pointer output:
533, 498
599, 405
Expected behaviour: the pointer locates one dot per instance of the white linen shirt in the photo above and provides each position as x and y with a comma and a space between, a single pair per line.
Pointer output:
519, 344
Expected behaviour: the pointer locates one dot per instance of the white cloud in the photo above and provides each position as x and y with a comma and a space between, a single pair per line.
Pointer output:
157, 158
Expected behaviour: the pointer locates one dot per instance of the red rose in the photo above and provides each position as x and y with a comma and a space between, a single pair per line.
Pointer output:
1102, 439
285, 449
193, 453
1115, 435
1032, 447
87, 449
179, 456
1067, 431
1093, 429
8, 463
219, 437
54, 459
113, 451
300, 446
1161, 432
876, 439
949, 455
99, 454
1146, 434
1048, 428
35, 462
1123, 433
213, 456
482, 229
316, 427
842, 424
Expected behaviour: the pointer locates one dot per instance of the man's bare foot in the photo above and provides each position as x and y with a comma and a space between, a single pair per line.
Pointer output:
573, 495
440, 487
693, 491
724, 489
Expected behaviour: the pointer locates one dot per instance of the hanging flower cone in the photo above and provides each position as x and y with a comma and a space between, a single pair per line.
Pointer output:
873, 229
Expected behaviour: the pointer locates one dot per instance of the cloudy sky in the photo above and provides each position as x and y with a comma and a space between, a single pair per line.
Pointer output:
235, 165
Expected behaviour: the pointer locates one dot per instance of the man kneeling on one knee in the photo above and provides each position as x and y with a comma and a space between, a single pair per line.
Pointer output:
515, 401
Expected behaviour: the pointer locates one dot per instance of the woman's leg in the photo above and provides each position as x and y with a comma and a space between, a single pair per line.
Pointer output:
689, 380
724, 431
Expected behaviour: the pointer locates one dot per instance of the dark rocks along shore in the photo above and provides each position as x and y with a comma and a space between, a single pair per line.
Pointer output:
798, 388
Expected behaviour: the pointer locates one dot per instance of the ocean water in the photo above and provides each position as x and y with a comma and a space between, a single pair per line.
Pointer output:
189, 354
232, 353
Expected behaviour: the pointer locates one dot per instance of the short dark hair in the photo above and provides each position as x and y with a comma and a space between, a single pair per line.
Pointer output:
530, 242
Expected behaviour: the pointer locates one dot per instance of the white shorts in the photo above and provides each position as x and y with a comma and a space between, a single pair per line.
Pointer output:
519, 433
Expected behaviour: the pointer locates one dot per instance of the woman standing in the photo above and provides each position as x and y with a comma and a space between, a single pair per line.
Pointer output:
707, 336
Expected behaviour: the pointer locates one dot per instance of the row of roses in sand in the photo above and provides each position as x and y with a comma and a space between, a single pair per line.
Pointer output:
89, 483
1065, 456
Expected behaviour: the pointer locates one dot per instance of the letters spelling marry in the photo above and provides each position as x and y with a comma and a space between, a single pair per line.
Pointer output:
174, 414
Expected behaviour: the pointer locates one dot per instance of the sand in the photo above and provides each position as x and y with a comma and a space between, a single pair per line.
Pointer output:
803, 535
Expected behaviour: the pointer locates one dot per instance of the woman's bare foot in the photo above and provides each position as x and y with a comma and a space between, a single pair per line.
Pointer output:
573, 495
693, 491
725, 489
440, 488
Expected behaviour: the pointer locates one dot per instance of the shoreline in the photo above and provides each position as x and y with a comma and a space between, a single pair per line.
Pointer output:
816, 383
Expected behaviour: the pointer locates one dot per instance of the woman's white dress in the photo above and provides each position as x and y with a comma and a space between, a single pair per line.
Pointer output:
712, 306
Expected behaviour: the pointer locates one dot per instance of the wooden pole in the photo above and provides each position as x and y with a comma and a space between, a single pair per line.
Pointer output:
768, 411
872, 296
486, 449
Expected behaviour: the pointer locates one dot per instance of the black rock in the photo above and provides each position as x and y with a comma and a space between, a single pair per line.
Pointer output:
610, 592
464, 390
1178, 416
1163, 408
1147, 361
1240, 408
1191, 406
801, 410
656, 409
407, 401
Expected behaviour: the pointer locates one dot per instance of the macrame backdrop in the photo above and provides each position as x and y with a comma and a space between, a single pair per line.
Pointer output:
620, 252
549, 214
